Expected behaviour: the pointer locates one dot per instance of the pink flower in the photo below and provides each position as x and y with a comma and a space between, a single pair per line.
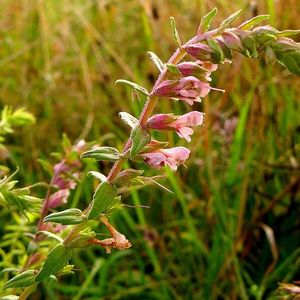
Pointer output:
171, 157
181, 124
188, 89
199, 51
58, 198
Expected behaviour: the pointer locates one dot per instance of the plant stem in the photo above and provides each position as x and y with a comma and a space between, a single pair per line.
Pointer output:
147, 111
145, 114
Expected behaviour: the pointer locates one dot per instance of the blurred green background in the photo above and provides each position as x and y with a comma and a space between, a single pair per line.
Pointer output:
231, 228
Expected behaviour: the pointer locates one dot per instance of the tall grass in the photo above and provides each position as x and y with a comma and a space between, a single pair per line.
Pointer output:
230, 230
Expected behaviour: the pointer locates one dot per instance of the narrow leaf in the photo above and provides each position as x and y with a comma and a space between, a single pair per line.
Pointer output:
248, 25
206, 21
134, 85
128, 119
66, 143
80, 240
26, 278
50, 235
287, 33
250, 46
217, 54
103, 197
97, 175
126, 176
66, 217
175, 32
291, 62
57, 258
140, 138
159, 64
10, 297
102, 153
46, 166
173, 69
229, 20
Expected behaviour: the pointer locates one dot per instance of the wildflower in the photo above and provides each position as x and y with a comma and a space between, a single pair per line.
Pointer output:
188, 89
181, 124
117, 240
58, 198
171, 157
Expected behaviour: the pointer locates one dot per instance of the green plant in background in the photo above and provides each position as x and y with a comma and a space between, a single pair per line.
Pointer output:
14, 199
187, 81
9, 120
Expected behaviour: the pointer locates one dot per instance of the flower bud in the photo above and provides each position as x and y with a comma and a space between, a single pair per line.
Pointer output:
232, 41
199, 51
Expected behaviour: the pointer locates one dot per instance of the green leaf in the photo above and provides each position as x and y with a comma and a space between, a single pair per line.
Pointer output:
66, 143
97, 175
68, 269
286, 33
128, 119
116, 204
175, 32
26, 278
206, 21
80, 240
270, 56
66, 217
126, 176
57, 258
217, 55
50, 235
159, 64
46, 166
229, 20
155, 146
140, 138
102, 153
103, 196
250, 45
173, 69
51, 281
291, 61
9, 297
134, 85
248, 25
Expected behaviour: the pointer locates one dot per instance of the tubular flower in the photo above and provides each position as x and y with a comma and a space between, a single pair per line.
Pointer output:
189, 89
181, 124
171, 157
